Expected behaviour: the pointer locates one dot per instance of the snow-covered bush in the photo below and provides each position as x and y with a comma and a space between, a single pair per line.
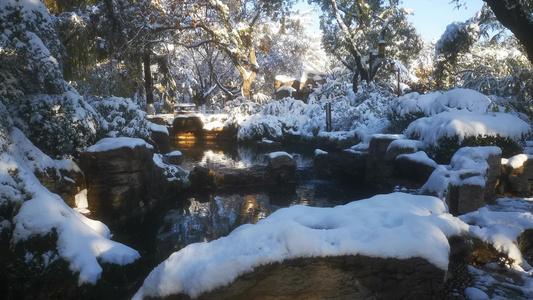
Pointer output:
121, 117
27, 31
354, 116
45, 107
459, 118
60, 125
6, 126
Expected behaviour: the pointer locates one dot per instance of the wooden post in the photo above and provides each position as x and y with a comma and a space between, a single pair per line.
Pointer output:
328, 117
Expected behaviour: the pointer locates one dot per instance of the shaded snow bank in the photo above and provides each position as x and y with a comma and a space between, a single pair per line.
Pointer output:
83, 242
391, 226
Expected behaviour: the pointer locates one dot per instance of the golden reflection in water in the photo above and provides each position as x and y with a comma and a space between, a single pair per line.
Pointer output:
250, 208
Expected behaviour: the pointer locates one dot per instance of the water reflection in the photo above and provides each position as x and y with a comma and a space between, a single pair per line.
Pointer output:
208, 215
226, 155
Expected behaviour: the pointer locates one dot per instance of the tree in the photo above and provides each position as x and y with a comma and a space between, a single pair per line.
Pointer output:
232, 27
515, 15
42, 104
362, 24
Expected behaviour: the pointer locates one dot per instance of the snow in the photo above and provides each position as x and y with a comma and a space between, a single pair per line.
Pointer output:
466, 124
213, 125
174, 153
159, 128
320, 152
81, 202
108, 144
276, 154
35, 159
289, 89
471, 161
460, 99
284, 78
517, 161
501, 224
420, 157
476, 294
397, 225
406, 144
458, 112
82, 242
388, 136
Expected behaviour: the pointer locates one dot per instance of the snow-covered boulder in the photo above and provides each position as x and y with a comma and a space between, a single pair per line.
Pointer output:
416, 166
469, 181
518, 174
400, 230
121, 178
160, 136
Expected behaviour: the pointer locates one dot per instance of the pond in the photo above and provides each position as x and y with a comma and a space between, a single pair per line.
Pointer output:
205, 215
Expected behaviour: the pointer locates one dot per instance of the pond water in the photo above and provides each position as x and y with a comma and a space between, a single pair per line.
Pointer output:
205, 215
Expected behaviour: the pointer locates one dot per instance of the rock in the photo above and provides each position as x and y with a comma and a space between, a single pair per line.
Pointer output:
162, 141
379, 170
525, 242
479, 171
469, 182
121, 182
465, 198
347, 165
344, 277
281, 167
284, 92
174, 158
401, 146
518, 177
65, 183
416, 167
187, 123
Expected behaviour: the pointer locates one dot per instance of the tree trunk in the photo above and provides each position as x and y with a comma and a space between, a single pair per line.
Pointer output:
516, 18
148, 84
247, 84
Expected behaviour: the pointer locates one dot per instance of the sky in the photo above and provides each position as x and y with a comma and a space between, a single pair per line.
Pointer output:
430, 16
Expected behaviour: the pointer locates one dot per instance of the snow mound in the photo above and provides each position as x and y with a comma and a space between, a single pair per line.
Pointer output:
397, 225
461, 99
467, 124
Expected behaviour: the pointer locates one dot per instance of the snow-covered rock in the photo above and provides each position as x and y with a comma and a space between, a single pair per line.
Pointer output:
397, 225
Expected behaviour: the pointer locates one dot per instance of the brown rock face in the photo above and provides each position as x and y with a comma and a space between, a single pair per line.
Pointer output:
65, 183
519, 180
120, 182
162, 141
345, 277
378, 169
